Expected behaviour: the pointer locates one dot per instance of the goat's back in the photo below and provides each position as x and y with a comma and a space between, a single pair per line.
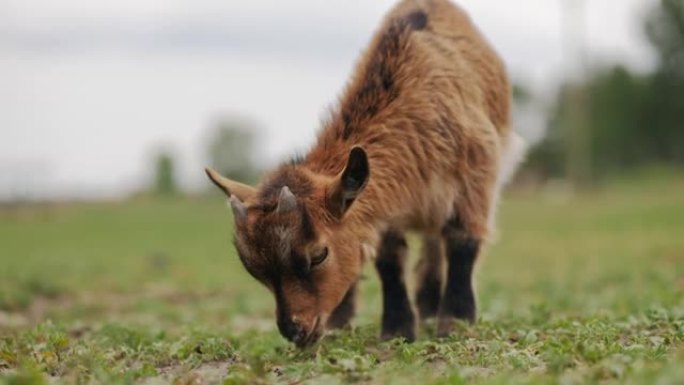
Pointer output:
430, 102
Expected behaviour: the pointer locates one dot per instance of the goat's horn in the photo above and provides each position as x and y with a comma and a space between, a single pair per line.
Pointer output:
286, 200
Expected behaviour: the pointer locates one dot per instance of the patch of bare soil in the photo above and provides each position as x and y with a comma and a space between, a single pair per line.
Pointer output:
206, 374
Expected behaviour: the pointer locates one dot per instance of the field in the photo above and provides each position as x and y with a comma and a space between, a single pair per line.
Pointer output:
583, 288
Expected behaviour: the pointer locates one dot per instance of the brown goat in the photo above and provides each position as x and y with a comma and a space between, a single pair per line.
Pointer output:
420, 141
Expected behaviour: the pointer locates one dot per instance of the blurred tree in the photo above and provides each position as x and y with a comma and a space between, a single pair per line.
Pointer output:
521, 95
665, 29
665, 103
544, 162
165, 177
547, 159
577, 141
231, 148
631, 120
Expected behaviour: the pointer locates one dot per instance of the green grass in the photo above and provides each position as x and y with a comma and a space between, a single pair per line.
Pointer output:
584, 289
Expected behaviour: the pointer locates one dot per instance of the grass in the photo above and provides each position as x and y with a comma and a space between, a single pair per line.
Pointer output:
584, 289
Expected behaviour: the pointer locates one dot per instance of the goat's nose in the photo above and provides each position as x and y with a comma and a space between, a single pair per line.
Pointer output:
291, 329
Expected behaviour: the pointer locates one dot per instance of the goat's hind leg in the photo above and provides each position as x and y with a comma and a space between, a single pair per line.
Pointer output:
430, 276
458, 301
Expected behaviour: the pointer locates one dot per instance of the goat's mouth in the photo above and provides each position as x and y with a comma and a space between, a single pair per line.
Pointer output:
312, 336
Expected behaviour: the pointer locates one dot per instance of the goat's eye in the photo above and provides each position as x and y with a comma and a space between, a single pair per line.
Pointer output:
320, 257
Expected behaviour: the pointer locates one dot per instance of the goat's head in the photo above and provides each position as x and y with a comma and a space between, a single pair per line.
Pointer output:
291, 235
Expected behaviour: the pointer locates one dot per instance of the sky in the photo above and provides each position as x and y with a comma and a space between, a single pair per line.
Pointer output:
91, 89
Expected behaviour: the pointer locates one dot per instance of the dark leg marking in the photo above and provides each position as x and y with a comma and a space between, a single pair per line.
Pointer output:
345, 311
397, 315
458, 301
430, 276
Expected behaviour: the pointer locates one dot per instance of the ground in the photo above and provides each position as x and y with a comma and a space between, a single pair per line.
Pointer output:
578, 288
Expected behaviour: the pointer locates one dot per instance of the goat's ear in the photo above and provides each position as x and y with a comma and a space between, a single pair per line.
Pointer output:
349, 183
231, 188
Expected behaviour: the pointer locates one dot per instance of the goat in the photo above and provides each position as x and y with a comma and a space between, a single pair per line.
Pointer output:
420, 140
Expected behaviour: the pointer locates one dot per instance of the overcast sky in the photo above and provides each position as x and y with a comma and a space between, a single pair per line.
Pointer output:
89, 89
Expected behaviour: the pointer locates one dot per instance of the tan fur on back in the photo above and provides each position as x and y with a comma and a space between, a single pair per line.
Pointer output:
431, 108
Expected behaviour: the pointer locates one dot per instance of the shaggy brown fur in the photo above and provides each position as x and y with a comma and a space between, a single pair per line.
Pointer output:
415, 144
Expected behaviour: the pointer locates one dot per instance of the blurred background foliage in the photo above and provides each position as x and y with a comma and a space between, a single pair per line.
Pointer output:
623, 121
232, 146
165, 183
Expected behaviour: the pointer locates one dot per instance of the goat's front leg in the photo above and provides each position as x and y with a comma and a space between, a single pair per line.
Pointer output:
397, 315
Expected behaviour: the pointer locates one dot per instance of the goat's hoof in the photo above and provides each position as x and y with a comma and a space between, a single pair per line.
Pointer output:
399, 328
407, 333
446, 325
